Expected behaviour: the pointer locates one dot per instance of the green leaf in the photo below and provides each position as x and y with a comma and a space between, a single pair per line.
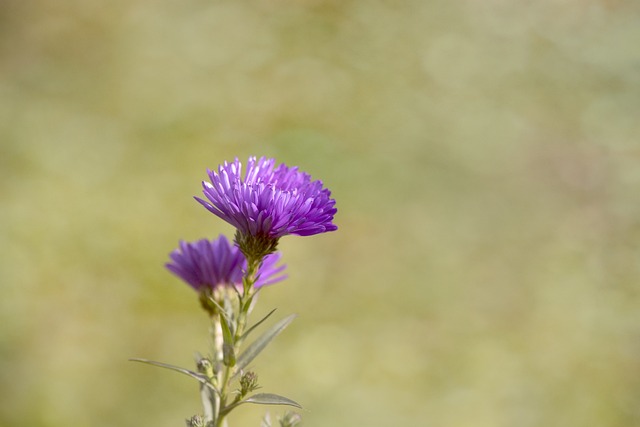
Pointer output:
259, 344
257, 324
200, 377
262, 399
228, 352
223, 313
271, 399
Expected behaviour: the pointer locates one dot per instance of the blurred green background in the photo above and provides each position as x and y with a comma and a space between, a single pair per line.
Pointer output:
485, 160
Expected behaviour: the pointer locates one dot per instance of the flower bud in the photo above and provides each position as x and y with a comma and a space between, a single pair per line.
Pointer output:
205, 367
196, 421
290, 419
248, 383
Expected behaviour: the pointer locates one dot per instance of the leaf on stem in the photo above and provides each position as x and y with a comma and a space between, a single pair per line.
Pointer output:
228, 352
259, 344
271, 399
246, 334
262, 399
223, 312
200, 377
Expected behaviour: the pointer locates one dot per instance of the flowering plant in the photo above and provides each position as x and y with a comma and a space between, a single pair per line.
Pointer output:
264, 205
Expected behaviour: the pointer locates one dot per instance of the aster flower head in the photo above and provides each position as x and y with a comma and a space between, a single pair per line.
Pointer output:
267, 203
207, 265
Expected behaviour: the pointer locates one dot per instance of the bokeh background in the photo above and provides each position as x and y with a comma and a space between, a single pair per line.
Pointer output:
485, 160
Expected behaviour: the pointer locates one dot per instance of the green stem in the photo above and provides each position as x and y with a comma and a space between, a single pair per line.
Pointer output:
224, 375
216, 400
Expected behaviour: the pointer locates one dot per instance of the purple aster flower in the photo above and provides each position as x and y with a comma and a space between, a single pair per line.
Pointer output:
211, 264
268, 201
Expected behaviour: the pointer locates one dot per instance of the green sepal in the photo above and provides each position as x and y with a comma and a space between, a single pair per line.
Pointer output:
259, 344
255, 247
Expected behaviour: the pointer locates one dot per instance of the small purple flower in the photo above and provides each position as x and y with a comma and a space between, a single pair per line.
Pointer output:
269, 201
211, 264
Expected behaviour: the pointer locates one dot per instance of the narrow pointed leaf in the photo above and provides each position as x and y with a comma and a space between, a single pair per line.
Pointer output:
228, 352
262, 399
227, 336
246, 334
200, 377
271, 399
223, 313
228, 355
259, 344
229, 312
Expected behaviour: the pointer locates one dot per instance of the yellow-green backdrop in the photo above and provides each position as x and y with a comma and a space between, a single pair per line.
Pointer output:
485, 160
